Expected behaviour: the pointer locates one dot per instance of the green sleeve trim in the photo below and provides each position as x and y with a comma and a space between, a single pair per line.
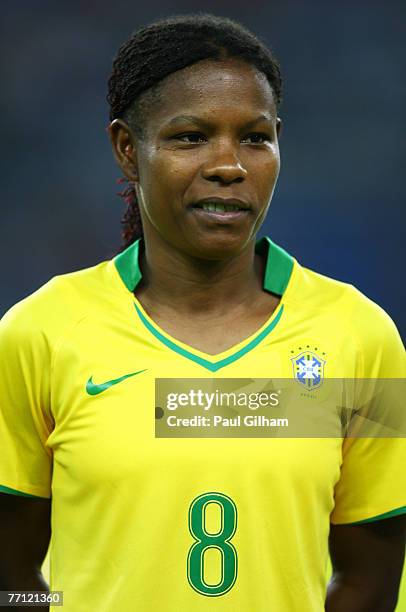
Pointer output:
15, 492
381, 517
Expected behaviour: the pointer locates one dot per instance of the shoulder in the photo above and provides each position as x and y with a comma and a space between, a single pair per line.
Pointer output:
56, 306
329, 294
343, 305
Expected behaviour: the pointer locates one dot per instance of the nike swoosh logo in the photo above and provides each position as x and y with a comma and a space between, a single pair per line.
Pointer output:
94, 389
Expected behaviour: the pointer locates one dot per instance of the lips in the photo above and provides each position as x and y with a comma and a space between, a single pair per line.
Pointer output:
224, 202
220, 211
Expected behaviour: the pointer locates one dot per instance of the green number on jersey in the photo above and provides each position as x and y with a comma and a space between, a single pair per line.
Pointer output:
206, 540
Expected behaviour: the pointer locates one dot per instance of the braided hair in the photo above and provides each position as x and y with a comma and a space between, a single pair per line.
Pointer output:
161, 48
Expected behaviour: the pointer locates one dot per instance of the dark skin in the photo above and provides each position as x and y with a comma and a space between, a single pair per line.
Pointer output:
367, 566
367, 559
24, 535
201, 272
200, 277
205, 275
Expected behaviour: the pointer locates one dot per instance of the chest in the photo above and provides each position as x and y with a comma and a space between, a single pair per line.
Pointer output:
113, 440
214, 335
109, 425
106, 430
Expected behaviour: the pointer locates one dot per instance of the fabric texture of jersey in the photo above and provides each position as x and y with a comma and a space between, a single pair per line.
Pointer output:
78, 364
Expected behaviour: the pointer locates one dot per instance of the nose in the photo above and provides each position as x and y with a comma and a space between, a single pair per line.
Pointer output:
224, 167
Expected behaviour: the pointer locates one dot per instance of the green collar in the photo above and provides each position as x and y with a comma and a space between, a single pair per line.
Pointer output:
278, 270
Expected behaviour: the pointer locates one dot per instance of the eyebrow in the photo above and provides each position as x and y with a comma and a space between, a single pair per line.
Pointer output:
204, 123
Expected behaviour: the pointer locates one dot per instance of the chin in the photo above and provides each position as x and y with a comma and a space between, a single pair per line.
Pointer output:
220, 245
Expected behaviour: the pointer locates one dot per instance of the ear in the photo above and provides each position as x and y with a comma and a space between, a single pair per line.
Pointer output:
278, 127
123, 143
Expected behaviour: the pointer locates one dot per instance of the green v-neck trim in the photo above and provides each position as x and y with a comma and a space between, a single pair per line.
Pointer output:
278, 270
213, 366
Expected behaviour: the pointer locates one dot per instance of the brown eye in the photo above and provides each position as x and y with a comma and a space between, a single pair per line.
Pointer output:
191, 137
258, 137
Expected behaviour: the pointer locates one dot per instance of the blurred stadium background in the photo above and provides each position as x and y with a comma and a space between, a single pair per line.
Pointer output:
339, 205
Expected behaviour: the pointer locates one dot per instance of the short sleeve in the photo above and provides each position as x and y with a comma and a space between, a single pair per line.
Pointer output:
372, 483
25, 418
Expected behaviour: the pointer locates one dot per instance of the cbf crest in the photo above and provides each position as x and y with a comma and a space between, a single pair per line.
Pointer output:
308, 369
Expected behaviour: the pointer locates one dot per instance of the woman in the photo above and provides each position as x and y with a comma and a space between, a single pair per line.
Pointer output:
146, 516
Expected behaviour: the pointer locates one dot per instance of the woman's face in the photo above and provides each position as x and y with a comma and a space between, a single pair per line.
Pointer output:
212, 135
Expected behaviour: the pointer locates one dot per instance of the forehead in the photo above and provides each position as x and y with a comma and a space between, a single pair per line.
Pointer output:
207, 87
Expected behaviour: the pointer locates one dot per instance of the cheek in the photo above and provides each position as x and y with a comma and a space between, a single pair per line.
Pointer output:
274, 165
169, 175
264, 173
163, 182
274, 159
274, 170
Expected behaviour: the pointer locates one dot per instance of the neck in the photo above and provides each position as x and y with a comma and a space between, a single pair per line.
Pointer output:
192, 285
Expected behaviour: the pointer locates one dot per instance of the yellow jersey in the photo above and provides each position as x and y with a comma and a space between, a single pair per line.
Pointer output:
147, 522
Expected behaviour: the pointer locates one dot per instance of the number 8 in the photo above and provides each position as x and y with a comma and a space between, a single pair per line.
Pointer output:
205, 540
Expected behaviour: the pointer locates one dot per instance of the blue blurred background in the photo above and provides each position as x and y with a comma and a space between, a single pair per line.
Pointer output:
339, 205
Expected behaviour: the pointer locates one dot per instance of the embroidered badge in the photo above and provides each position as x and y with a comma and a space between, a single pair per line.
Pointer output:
308, 369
